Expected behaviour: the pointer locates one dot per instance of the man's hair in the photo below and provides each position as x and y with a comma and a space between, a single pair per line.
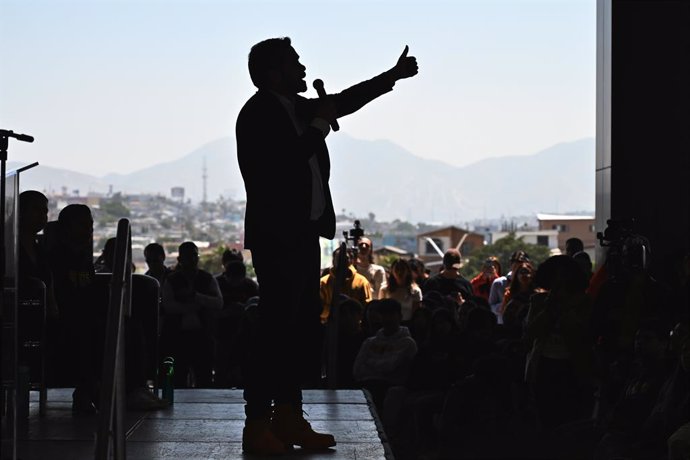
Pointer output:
388, 306
266, 56
154, 250
353, 306
348, 253
232, 254
575, 244
72, 212
561, 267
30, 198
452, 259
186, 246
417, 265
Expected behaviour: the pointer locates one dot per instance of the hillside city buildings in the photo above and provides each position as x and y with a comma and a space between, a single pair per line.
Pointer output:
170, 220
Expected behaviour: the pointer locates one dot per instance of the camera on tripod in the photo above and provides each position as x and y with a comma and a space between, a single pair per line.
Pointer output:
628, 251
353, 235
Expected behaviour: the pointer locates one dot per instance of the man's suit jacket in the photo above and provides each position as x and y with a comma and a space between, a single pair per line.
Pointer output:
274, 161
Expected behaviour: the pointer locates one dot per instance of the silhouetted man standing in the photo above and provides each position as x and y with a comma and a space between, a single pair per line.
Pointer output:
284, 162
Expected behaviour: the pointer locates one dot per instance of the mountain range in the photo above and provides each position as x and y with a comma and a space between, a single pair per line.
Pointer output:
377, 177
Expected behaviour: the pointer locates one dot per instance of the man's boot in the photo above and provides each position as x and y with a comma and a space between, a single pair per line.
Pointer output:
258, 439
289, 425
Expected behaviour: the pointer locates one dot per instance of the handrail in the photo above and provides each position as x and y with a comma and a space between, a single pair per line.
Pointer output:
110, 437
334, 319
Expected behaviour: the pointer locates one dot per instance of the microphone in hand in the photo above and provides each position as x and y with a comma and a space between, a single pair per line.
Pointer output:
318, 86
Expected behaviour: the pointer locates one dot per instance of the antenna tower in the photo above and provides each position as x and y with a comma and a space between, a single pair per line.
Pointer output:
204, 177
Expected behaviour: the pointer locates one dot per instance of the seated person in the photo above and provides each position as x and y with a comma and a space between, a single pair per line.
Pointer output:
670, 412
236, 289
190, 296
350, 338
623, 422
154, 254
141, 333
32, 258
475, 415
36, 320
385, 359
80, 327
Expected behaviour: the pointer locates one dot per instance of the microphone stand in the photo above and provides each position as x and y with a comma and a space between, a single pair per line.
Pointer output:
4, 144
9, 299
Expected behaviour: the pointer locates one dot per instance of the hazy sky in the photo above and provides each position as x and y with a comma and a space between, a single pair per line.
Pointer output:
118, 85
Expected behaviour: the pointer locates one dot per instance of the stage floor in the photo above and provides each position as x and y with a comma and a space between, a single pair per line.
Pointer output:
202, 424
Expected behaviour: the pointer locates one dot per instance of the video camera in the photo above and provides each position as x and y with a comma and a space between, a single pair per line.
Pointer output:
353, 236
628, 251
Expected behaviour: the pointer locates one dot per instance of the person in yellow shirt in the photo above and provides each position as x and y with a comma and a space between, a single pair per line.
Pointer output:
355, 286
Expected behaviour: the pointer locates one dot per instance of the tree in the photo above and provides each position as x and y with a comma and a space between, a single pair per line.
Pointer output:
114, 208
212, 261
502, 249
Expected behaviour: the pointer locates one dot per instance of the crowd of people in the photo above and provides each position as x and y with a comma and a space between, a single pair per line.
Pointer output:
547, 359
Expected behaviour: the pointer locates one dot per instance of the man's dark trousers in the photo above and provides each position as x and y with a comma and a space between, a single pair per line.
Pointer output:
285, 351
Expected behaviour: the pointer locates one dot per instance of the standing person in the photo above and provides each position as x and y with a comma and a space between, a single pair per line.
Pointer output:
190, 297
450, 282
481, 284
559, 366
498, 287
575, 248
237, 288
385, 359
375, 274
285, 166
401, 287
81, 321
355, 286
419, 272
515, 304
154, 253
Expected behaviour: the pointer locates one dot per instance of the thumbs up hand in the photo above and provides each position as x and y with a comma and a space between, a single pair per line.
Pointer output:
406, 66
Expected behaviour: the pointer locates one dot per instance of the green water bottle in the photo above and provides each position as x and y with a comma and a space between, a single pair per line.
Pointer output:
168, 369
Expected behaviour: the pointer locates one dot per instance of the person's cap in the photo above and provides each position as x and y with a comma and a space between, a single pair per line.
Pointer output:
452, 259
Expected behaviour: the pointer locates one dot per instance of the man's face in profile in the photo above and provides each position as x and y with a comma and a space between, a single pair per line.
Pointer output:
293, 72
